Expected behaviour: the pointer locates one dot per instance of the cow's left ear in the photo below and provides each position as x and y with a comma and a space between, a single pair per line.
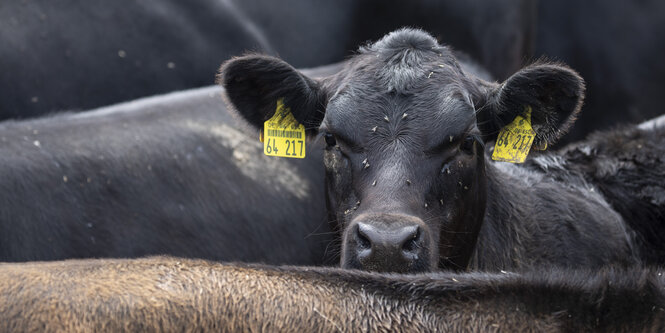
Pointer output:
554, 93
254, 83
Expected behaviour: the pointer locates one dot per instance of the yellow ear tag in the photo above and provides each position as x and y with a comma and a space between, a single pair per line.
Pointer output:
282, 135
514, 140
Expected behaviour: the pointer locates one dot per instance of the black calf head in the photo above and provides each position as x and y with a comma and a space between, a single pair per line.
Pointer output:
405, 129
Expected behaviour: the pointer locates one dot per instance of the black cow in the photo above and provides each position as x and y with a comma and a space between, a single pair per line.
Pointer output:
618, 47
170, 174
77, 55
626, 165
408, 180
175, 295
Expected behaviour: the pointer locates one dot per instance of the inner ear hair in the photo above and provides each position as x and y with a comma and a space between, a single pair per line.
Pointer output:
554, 92
255, 82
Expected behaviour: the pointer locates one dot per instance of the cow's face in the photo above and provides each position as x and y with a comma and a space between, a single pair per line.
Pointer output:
404, 166
404, 129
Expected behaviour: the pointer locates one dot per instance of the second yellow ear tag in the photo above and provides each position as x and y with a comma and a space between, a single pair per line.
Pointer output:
282, 135
514, 140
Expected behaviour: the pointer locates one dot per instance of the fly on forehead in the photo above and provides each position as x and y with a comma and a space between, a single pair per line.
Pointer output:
452, 119
452, 136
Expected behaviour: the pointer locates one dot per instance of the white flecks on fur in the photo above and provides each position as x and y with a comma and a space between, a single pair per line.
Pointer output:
386, 119
365, 164
357, 205
339, 329
529, 177
404, 115
374, 129
586, 150
652, 124
547, 162
248, 157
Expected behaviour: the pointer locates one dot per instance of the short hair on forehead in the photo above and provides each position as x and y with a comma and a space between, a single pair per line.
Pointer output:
402, 60
402, 39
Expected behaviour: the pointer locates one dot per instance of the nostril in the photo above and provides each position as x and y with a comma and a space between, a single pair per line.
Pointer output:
412, 240
362, 239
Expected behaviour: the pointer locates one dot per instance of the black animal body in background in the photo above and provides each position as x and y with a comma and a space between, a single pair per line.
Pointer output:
626, 165
618, 47
172, 174
81, 55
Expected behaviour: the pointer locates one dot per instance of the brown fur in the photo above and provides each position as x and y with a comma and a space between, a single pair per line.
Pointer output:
163, 294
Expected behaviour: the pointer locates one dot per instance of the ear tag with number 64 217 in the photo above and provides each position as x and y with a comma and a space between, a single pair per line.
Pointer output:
514, 140
282, 135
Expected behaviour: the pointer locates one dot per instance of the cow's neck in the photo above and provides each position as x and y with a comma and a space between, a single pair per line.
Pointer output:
501, 243
516, 233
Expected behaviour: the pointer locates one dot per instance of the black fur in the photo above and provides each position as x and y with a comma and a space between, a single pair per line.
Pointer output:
555, 91
83, 55
172, 174
402, 112
626, 166
256, 92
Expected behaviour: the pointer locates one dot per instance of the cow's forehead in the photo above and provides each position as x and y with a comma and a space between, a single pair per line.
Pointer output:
362, 103
444, 112
404, 83
406, 71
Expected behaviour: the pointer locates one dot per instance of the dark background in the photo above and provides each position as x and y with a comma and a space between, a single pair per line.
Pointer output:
76, 55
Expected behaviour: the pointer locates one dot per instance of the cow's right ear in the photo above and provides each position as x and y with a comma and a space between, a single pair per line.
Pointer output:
254, 83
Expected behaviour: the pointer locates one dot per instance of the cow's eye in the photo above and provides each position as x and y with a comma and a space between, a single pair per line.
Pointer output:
330, 139
467, 144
